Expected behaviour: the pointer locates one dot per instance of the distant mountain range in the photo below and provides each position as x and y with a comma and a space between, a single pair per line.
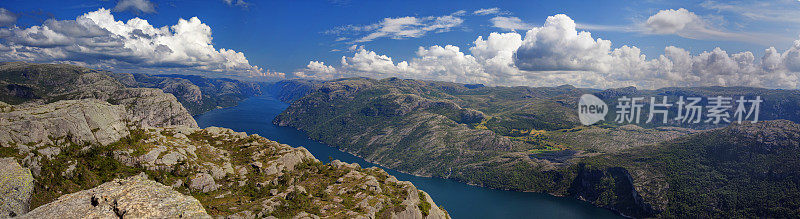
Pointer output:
45, 83
530, 139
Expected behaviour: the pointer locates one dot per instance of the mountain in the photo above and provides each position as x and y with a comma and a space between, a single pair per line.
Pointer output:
516, 138
199, 94
44, 83
49, 83
73, 149
480, 135
740, 171
777, 103
291, 90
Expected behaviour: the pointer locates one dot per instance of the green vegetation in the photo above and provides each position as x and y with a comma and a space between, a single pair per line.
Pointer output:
728, 173
307, 188
481, 135
77, 167
10, 152
528, 139
423, 205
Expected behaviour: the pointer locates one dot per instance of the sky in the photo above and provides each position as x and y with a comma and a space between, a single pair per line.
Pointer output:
596, 44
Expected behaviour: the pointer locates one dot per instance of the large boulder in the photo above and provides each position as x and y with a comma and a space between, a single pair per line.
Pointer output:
16, 187
135, 197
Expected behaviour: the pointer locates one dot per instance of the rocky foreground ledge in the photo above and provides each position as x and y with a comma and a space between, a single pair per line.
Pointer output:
90, 158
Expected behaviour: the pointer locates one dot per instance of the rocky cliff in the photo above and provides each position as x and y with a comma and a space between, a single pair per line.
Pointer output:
89, 120
197, 93
82, 152
45, 83
49, 83
740, 171
528, 139
290, 90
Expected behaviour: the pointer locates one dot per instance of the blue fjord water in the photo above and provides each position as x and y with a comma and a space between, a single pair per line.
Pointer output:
254, 116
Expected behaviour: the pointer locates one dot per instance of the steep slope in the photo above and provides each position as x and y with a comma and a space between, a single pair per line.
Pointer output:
49, 83
480, 135
45, 83
519, 138
290, 90
199, 94
749, 170
74, 145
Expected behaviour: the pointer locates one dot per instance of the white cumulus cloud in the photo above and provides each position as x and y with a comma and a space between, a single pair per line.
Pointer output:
559, 46
687, 24
671, 21
557, 53
97, 39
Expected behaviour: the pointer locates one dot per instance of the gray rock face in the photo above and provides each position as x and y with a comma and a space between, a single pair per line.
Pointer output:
88, 120
188, 92
288, 161
415, 197
203, 182
135, 197
146, 106
91, 120
197, 93
152, 107
16, 188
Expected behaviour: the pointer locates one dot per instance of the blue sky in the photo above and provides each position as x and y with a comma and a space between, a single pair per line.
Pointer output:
286, 39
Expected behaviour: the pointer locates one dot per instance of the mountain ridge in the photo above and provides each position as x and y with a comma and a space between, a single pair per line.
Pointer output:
424, 127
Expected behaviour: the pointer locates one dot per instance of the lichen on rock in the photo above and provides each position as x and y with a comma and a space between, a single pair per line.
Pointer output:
16, 187
134, 197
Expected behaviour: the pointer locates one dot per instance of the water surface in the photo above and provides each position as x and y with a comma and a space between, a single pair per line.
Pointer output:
254, 116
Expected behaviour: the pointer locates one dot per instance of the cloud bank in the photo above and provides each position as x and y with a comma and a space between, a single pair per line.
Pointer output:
557, 53
95, 39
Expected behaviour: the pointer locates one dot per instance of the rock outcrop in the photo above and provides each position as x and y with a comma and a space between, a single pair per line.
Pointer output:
49, 83
218, 164
198, 94
82, 134
16, 188
134, 197
89, 120
281, 178
152, 107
